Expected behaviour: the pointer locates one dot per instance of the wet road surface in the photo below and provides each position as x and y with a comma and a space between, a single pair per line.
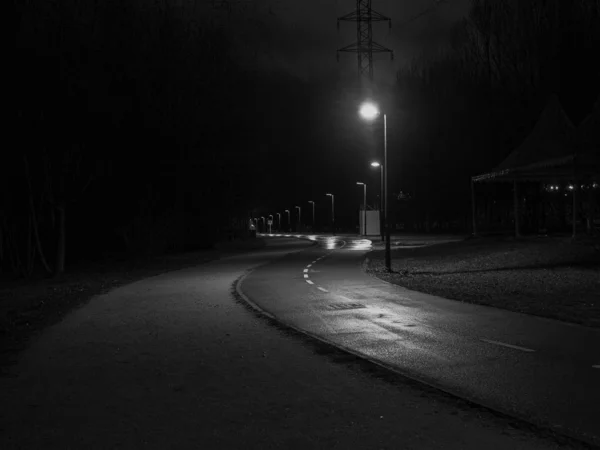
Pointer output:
540, 370
176, 361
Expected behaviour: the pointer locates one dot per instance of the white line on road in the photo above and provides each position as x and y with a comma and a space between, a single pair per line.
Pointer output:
305, 270
516, 347
322, 289
305, 276
309, 282
309, 265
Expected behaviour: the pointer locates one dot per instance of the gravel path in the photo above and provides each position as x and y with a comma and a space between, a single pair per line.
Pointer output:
174, 361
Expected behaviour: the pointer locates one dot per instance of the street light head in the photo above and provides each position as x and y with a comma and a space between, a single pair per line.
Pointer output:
286, 210
310, 201
375, 164
369, 111
358, 182
331, 195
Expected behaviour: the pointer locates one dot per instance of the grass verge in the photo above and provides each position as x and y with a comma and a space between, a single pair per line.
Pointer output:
29, 306
552, 277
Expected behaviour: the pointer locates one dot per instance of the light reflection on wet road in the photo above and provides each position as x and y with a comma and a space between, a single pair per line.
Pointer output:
331, 242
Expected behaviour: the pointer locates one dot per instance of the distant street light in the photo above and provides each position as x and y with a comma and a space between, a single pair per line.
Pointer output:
289, 223
370, 112
313, 208
264, 227
377, 164
364, 185
299, 217
332, 213
270, 223
278, 221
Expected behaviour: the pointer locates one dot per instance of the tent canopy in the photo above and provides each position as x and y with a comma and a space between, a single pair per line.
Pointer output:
543, 153
588, 132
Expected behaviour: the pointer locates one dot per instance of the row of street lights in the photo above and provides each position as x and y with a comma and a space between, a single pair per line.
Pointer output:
368, 111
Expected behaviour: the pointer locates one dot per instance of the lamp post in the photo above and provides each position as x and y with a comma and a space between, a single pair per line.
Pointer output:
313, 208
332, 213
377, 164
278, 222
370, 111
364, 185
264, 227
289, 223
299, 217
270, 223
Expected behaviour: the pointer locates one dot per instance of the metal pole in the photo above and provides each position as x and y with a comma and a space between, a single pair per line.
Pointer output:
313, 203
388, 256
365, 207
381, 206
332, 214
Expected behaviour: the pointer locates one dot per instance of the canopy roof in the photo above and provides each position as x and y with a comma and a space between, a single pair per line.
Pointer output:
588, 132
544, 152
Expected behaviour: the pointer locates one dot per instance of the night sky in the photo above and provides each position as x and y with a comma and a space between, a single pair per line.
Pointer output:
323, 144
163, 121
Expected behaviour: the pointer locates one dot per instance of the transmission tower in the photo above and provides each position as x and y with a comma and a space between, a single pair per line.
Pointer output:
364, 47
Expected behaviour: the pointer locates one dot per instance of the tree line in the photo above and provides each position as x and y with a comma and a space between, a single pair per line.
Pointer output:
128, 133
476, 100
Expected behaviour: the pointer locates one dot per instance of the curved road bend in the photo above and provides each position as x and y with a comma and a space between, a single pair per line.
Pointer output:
174, 361
544, 371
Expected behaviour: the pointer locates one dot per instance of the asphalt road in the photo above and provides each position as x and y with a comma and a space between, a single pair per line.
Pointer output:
543, 371
176, 361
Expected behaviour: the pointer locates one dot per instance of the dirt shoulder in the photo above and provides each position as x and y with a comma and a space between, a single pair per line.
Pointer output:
29, 306
551, 276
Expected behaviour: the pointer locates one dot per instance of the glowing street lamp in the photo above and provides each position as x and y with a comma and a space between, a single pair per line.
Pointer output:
364, 185
299, 217
332, 212
289, 222
369, 111
313, 208
278, 222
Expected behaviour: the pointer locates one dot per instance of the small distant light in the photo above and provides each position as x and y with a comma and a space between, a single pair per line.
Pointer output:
571, 187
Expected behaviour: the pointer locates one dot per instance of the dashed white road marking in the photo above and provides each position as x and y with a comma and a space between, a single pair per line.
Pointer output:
322, 289
309, 282
309, 265
516, 347
305, 270
305, 276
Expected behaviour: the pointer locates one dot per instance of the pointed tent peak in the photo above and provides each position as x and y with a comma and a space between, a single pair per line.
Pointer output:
551, 138
589, 128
